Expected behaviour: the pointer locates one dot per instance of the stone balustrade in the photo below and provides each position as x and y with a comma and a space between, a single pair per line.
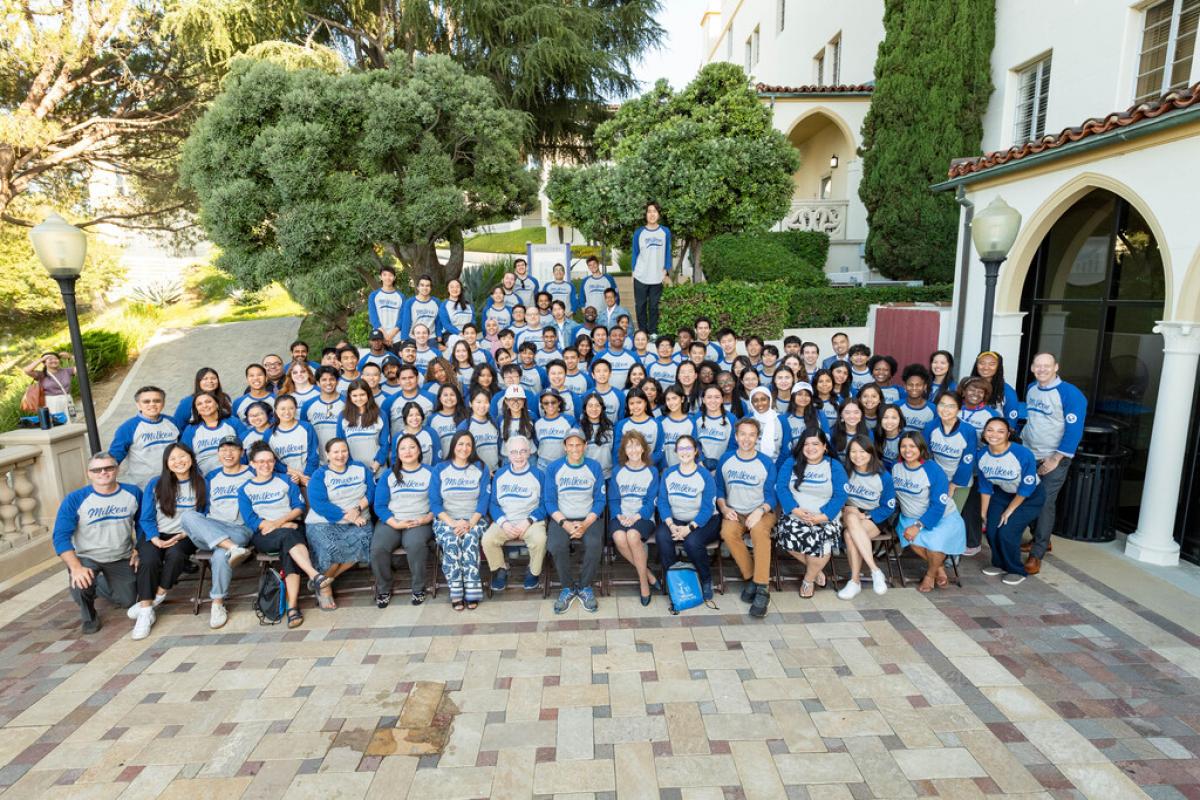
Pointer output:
18, 496
37, 470
826, 216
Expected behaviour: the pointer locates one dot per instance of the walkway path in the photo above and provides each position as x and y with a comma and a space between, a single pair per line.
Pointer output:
171, 359
1060, 688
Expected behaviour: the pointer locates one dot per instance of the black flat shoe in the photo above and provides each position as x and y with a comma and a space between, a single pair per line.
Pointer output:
645, 599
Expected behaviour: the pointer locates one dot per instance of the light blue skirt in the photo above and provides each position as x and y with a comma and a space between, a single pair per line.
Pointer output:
949, 536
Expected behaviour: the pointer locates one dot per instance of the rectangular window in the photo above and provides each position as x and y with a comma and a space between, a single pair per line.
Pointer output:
780, 14
754, 47
819, 69
749, 54
1168, 46
729, 44
1033, 90
835, 48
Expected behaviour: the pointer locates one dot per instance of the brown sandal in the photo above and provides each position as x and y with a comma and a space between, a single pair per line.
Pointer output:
926, 585
295, 618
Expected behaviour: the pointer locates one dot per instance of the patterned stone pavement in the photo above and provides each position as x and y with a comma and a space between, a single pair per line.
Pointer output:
1059, 688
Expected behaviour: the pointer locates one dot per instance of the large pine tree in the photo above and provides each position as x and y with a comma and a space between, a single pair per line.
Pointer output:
932, 83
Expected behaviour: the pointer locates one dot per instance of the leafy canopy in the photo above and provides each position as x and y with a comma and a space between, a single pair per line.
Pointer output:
315, 179
707, 154
931, 92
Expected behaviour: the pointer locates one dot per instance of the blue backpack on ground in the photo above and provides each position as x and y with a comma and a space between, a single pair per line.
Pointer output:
683, 585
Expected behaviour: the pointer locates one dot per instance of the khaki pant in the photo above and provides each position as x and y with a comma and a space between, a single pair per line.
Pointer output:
534, 538
760, 536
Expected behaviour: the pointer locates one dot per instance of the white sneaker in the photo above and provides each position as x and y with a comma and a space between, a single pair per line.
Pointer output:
132, 611
217, 615
850, 590
238, 554
972, 551
145, 620
879, 582
1014, 580
992, 572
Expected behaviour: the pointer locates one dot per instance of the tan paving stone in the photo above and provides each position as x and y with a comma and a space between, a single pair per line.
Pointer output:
635, 773
630, 729
938, 762
514, 774
749, 727
205, 789
574, 776
843, 724
686, 729
878, 768
796, 727
393, 778
810, 768
756, 770
696, 770
458, 783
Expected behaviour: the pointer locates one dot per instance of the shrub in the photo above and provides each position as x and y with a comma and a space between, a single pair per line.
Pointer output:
478, 281
766, 309
847, 306
358, 328
810, 246
766, 257
748, 308
625, 260
104, 351
159, 295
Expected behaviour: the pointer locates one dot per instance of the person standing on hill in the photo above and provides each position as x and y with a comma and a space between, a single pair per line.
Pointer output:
651, 260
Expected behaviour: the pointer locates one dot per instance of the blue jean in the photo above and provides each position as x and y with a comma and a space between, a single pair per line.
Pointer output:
1005, 540
694, 545
208, 533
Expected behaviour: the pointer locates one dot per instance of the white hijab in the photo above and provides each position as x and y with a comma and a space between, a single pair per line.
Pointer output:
768, 423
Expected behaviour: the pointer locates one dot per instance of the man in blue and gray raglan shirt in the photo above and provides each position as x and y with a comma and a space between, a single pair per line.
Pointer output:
139, 443
94, 534
651, 260
1056, 412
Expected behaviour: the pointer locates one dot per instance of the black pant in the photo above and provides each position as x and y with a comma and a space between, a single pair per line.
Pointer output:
415, 542
112, 580
645, 305
158, 567
558, 543
971, 517
695, 544
281, 541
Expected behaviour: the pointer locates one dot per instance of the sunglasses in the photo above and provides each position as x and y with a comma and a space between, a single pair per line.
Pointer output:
99, 470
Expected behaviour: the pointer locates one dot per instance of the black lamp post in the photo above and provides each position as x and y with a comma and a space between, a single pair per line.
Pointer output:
61, 248
993, 232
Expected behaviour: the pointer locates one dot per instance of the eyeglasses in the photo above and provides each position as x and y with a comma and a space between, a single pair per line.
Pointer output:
99, 470
684, 448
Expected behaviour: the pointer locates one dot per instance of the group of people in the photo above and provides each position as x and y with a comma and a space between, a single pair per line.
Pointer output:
549, 437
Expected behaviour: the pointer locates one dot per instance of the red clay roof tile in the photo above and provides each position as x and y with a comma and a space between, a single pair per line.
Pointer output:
1172, 101
841, 88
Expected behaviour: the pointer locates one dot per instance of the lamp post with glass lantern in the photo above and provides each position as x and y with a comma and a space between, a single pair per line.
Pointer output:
61, 248
993, 232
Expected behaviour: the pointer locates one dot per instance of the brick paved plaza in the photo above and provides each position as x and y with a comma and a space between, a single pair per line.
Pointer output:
1059, 688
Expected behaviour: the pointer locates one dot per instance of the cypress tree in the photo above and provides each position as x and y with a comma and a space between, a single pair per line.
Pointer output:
932, 83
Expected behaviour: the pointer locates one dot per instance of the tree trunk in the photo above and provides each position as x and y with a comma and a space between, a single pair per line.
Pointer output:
454, 265
697, 271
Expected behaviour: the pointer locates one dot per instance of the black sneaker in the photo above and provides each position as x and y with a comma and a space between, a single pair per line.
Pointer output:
92, 626
382, 599
749, 590
762, 598
418, 598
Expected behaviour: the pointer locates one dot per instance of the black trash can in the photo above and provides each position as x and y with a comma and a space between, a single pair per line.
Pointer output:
1087, 504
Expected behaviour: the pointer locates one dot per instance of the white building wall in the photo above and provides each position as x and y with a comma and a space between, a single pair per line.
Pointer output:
786, 56
1094, 47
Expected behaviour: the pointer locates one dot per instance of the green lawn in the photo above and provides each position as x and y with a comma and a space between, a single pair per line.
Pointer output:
513, 242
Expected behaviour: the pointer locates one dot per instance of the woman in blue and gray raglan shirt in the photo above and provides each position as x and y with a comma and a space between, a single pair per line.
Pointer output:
1056, 413
385, 304
1010, 497
929, 522
94, 532
651, 260
459, 500
687, 496
338, 523
405, 515
811, 488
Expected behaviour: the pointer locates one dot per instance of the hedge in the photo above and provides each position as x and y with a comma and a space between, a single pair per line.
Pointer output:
748, 308
104, 351
796, 258
766, 309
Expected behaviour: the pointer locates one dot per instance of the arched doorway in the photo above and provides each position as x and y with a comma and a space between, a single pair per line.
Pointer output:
1093, 294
